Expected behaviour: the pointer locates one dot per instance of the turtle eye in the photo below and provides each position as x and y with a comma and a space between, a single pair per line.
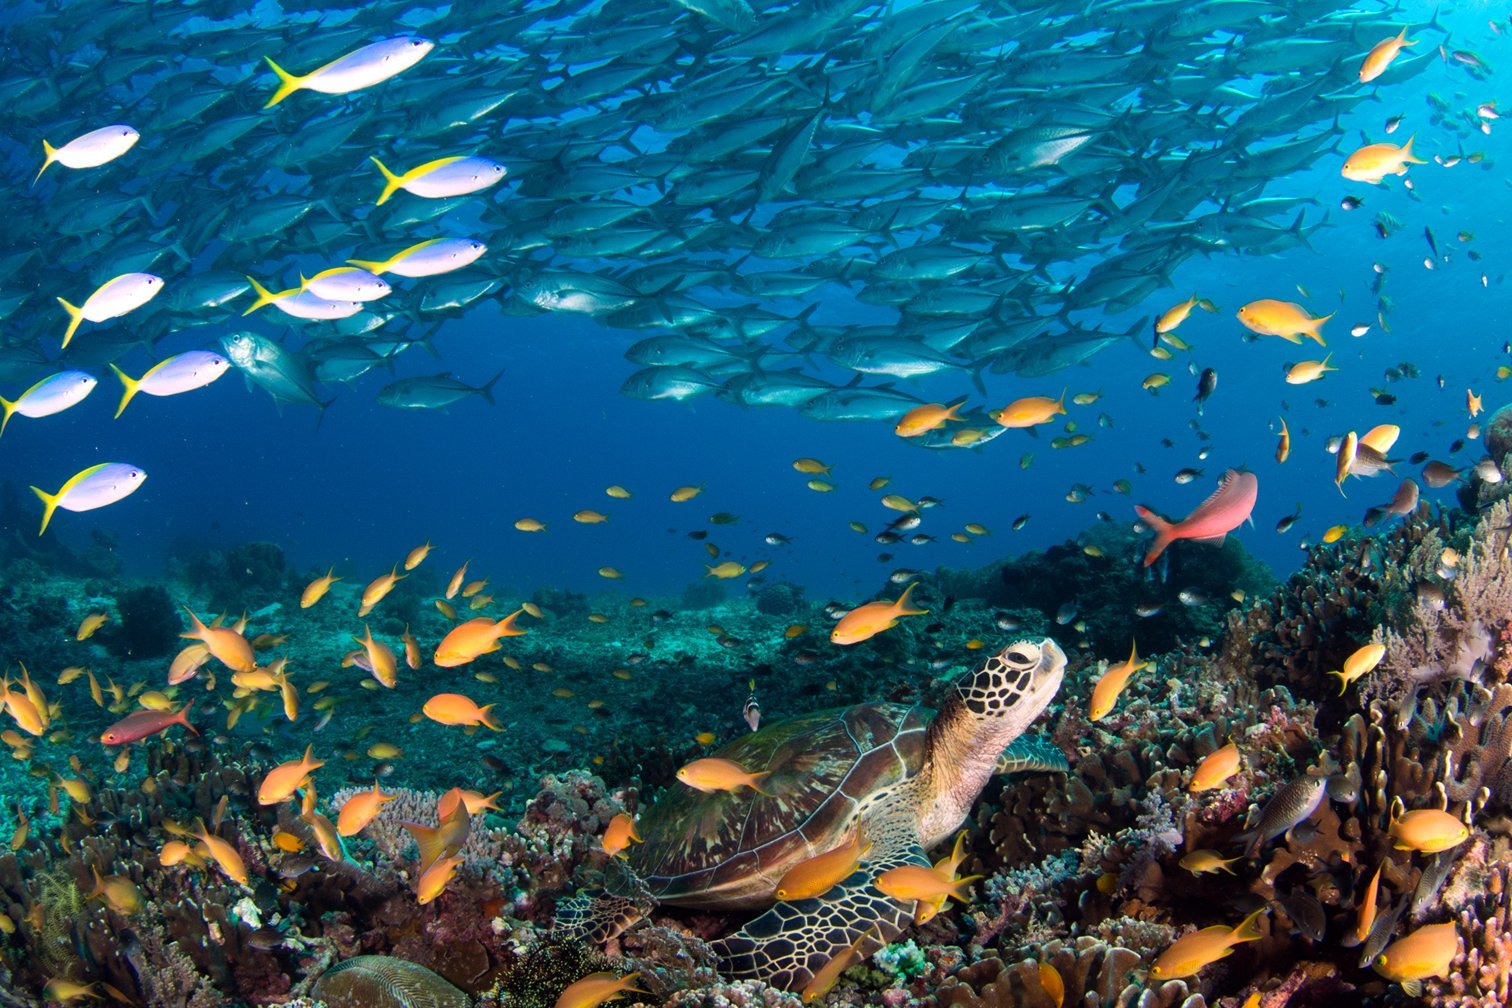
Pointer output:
1022, 656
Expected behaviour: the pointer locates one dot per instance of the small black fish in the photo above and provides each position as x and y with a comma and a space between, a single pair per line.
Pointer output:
777, 539
919, 539
698, 535
1350, 203
934, 628
1385, 399
1286, 523
1206, 383
1418, 457
1432, 245
1020, 522
1187, 475
884, 557
1457, 445
887, 538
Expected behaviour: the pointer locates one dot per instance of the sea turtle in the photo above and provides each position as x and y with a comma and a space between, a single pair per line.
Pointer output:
904, 776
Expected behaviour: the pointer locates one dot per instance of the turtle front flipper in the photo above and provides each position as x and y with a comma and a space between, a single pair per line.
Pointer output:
595, 916
1032, 752
790, 943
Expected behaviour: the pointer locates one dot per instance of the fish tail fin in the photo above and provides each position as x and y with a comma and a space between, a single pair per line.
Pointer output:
487, 720
428, 842
49, 155
757, 779
904, 605
1315, 328
391, 182
287, 83
374, 267
959, 889
182, 717
1164, 532
1407, 157
1060, 404
1343, 681
1249, 928
487, 390
7, 410
49, 505
264, 296
130, 388
75, 316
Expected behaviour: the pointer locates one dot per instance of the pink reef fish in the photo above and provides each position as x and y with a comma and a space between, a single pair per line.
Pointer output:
1227, 509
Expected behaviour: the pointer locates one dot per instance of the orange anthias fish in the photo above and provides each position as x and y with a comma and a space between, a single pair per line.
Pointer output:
475, 638
1426, 952
1381, 54
715, 774
923, 883
1228, 508
1373, 162
228, 646
1216, 769
361, 809
1189, 954
445, 840
316, 590
819, 874
286, 778
456, 709
619, 835
864, 622
596, 988
930, 416
1111, 684
432, 882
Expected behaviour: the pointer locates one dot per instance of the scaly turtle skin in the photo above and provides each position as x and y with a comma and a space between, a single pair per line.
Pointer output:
904, 776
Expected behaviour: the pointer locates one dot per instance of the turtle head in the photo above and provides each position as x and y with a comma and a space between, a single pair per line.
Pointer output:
1015, 684
987, 709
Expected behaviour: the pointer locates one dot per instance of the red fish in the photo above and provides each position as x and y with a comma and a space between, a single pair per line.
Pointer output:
140, 724
1227, 509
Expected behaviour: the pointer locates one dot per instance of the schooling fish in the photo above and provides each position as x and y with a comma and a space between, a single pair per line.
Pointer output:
91, 488
180, 373
90, 150
362, 68
1228, 508
52, 394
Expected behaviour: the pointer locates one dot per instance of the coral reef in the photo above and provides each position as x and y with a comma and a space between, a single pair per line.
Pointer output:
1084, 883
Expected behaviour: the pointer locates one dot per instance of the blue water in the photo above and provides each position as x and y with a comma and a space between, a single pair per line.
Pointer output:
368, 483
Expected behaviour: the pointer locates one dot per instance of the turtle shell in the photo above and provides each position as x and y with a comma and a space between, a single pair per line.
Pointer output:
728, 849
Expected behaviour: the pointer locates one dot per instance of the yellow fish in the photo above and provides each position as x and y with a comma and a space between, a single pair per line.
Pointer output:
1188, 955
1111, 684
1362, 661
1428, 830
1426, 952
1216, 769
821, 873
